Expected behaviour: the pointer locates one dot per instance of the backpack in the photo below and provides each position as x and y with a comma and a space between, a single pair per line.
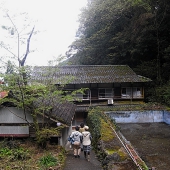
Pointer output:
71, 140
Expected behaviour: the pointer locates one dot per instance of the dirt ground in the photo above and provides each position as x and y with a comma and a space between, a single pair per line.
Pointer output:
151, 141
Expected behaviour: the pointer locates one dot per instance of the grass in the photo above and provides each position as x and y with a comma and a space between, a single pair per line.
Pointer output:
28, 156
106, 132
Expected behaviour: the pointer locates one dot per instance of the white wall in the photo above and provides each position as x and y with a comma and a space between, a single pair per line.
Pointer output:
14, 131
15, 115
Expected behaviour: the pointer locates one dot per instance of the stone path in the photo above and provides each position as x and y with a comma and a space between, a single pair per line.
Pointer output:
81, 163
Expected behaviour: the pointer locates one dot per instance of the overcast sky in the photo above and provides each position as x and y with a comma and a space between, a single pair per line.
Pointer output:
55, 20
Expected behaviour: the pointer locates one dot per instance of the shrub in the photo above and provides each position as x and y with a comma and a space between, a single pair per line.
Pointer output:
5, 152
19, 154
48, 161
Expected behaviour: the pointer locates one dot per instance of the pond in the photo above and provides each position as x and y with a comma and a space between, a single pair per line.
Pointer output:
151, 141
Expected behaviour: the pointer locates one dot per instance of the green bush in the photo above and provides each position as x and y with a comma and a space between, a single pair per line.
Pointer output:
48, 161
14, 154
94, 122
19, 154
5, 152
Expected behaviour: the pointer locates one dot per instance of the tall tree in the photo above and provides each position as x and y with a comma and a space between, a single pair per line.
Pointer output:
124, 32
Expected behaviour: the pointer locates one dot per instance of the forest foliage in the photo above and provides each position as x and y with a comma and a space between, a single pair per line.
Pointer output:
129, 32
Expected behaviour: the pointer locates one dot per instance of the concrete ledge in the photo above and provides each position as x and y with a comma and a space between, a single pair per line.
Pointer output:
167, 117
140, 116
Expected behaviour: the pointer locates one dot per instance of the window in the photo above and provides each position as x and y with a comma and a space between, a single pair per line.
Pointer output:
126, 92
85, 96
105, 93
137, 92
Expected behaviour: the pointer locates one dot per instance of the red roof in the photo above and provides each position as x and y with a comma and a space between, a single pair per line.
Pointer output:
3, 94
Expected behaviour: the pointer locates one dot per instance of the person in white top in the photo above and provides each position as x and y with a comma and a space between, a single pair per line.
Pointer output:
86, 140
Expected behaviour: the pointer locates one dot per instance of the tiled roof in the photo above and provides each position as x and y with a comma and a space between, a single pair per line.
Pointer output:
80, 74
63, 112
60, 111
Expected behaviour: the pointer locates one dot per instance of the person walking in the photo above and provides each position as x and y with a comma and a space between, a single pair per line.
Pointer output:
77, 137
82, 127
86, 140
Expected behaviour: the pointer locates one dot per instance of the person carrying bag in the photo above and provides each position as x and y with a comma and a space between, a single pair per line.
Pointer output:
76, 137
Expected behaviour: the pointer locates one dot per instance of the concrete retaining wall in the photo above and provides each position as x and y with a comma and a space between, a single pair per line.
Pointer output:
166, 117
140, 116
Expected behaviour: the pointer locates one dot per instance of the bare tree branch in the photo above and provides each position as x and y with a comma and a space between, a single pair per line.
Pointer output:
7, 49
16, 31
12, 23
22, 62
